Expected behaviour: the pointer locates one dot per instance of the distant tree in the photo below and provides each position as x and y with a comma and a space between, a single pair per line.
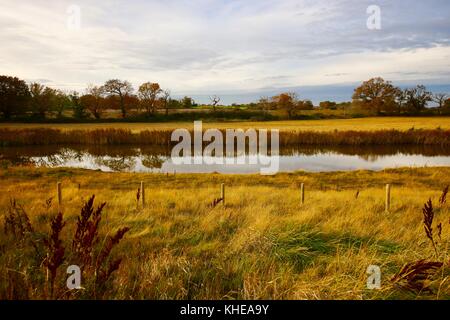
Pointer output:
132, 102
265, 104
328, 105
94, 100
14, 96
376, 95
121, 89
187, 102
42, 99
287, 102
148, 93
112, 102
214, 101
165, 98
61, 102
305, 105
79, 110
446, 107
174, 104
417, 98
440, 99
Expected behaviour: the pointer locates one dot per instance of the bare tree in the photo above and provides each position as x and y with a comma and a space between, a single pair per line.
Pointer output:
165, 97
440, 99
214, 101
121, 89
265, 104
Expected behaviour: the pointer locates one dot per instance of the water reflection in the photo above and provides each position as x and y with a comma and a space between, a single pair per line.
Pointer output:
157, 159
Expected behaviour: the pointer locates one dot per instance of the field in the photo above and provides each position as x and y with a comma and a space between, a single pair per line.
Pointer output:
359, 124
262, 244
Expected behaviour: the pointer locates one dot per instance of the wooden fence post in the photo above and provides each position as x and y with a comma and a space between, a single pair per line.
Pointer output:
302, 193
388, 197
143, 194
222, 193
59, 193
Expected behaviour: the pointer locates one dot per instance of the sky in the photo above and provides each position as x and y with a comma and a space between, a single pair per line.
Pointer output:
236, 49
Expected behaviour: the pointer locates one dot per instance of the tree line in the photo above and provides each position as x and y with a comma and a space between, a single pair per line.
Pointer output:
17, 98
375, 96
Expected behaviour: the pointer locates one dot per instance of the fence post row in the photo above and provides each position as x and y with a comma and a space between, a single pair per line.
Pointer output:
222, 194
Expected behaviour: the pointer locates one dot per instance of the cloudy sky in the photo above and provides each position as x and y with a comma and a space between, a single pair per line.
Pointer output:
224, 46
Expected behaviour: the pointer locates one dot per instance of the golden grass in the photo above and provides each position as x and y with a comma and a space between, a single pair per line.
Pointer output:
263, 244
360, 124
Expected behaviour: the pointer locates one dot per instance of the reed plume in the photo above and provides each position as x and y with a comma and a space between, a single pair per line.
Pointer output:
55, 249
86, 234
428, 216
413, 276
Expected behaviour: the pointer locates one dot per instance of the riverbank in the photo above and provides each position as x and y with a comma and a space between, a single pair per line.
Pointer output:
357, 124
41, 136
262, 244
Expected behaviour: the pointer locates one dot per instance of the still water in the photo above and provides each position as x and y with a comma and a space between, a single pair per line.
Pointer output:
151, 159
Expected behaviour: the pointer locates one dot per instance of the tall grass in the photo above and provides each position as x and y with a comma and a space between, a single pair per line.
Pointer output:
263, 244
41, 136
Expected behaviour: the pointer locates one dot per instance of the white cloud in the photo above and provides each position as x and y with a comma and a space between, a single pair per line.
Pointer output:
206, 45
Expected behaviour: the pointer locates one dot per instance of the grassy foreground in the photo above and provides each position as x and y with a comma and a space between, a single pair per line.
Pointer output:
263, 244
360, 124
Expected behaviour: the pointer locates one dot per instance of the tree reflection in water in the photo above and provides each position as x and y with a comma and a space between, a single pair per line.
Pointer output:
124, 163
153, 158
153, 161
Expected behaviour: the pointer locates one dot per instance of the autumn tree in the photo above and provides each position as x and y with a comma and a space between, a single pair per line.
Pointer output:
14, 96
148, 93
305, 105
446, 107
132, 102
376, 95
440, 99
120, 89
287, 102
417, 98
94, 100
328, 105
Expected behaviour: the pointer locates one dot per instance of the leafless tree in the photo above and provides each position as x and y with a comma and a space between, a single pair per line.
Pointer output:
165, 96
214, 101
440, 99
